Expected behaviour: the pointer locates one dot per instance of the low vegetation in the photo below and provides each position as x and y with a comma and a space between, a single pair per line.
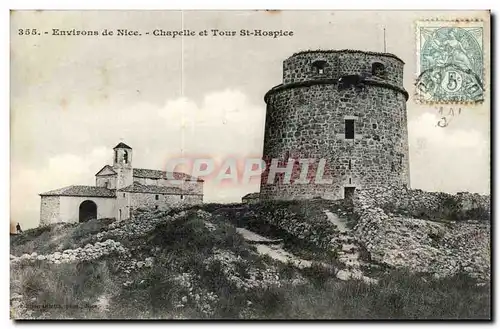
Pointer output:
56, 237
203, 269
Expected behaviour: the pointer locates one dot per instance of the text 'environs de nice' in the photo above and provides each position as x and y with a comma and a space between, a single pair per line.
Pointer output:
175, 33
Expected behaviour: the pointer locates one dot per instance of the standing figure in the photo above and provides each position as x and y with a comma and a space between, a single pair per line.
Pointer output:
18, 228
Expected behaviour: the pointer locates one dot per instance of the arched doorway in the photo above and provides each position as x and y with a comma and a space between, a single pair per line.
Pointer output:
88, 210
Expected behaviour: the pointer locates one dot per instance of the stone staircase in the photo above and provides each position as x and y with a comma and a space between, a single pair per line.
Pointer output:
348, 254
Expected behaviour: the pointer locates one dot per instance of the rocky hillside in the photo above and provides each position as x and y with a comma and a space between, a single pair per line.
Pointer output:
300, 259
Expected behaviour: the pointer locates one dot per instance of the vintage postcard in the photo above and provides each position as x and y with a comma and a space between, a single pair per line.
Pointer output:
259, 164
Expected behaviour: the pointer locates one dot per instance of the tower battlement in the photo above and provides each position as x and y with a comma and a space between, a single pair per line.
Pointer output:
334, 64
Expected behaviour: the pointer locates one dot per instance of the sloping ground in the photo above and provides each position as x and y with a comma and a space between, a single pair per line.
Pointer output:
56, 237
195, 264
321, 228
255, 238
272, 248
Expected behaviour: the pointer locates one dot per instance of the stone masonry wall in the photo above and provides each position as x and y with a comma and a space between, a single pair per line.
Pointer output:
106, 181
189, 186
164, 202
49, 210
306, 120
299, 67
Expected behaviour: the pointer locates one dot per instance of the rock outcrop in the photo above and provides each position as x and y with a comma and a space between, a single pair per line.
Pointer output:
89, 252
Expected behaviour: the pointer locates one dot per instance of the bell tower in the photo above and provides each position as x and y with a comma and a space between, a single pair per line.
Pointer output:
122, 164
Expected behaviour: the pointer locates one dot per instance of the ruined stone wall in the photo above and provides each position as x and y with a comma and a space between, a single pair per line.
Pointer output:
416, 202
307, 120
428, 246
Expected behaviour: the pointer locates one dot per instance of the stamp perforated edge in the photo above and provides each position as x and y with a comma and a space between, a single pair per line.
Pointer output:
460, 20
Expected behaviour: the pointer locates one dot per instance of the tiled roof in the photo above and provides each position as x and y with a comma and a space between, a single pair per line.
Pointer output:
82, 190
157, 174
251, 195
122, 146
153, 189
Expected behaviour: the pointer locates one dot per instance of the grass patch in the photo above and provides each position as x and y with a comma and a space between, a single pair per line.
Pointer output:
63, 290
399, 295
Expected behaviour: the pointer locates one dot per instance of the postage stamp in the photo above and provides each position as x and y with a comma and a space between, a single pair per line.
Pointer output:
450, 61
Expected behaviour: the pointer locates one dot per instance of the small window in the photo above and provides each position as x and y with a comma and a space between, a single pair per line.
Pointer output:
116, 156
350, 180
106, 184
349, 129
156, 207
350, 164
182, 196
157, 197
374, 126
318, 67
378, 69
123, 194
392, 167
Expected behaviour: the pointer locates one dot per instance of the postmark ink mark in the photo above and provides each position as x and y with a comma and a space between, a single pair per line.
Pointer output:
450, 62
446, 118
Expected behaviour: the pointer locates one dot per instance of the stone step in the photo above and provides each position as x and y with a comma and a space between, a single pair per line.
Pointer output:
349, 247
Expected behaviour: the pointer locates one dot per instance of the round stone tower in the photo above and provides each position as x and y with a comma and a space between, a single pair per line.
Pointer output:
344, 113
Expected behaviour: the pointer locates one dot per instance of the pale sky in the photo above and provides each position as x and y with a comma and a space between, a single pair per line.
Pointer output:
74, 98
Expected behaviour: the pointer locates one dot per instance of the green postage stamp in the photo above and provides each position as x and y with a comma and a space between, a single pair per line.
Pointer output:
450, 61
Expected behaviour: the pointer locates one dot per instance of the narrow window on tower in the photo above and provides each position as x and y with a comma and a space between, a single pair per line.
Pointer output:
319, 67
349, 128
116, 156
157, 197
350, 165
378, 70
125, 157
